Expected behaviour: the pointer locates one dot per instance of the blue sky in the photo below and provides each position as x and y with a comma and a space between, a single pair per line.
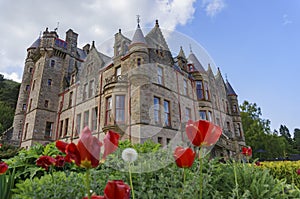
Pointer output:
256, 43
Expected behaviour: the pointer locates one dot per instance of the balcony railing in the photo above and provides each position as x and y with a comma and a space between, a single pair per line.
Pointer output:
114, 79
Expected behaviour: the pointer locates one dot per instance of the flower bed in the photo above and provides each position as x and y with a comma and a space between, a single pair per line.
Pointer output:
67, 170
288, 170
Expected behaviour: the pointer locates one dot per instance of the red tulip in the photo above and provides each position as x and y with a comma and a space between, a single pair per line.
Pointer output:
298, 171
247, 151
45, 162
61, 146
202, 132
59, 161
87, 152
257, 163
0, 145
3, 167
116, 189
111, 142
184, 157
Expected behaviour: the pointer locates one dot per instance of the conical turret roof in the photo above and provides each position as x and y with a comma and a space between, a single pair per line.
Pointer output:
192, 59
229, 89
35, 44
138, 37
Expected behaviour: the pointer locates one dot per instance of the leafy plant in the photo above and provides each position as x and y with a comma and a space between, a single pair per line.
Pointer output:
6, 184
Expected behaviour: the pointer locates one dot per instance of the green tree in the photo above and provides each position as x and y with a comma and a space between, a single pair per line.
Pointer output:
264, 143
6, 116
297, 139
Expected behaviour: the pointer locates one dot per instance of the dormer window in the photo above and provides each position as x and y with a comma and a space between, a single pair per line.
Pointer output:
191, 68
118, 71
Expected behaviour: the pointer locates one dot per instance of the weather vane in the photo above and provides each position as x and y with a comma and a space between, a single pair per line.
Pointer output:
191, 48
138, 19
56, 27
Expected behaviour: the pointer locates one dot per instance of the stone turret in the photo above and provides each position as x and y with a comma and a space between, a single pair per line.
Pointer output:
235, 112
25, 88
181, 59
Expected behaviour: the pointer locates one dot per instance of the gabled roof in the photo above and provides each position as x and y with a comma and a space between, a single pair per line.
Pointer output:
192, 59
138, 37
229, 89
155, 38
181, 53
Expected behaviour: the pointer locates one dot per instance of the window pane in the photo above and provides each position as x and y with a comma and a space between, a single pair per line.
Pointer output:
199, 89
159, 75
209, 116
156, 110
120, 108
202, 115
94, 118
187, 114
185, 89
108, 116
78, 125
49, 129
207, 96
91, 88
86, 119
167, 113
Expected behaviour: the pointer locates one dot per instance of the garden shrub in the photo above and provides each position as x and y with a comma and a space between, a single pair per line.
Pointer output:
284, 170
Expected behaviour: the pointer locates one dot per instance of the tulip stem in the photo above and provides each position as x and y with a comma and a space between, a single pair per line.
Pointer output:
88, 184
201, 177
184, 176
130, 178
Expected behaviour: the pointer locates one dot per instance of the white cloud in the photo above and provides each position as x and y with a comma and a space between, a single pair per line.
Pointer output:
12, 76
213, 7
22, 22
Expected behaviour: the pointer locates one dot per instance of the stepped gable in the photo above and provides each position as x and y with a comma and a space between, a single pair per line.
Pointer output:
156, 39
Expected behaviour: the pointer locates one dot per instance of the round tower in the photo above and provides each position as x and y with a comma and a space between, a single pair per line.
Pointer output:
24, 92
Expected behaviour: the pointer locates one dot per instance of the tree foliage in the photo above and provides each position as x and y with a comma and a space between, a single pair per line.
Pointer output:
8, 99
265, 144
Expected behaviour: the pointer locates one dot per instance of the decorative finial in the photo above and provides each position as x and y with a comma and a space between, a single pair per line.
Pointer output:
138, 20
120, 30
156, 23
226, 77
93, 44
191, 48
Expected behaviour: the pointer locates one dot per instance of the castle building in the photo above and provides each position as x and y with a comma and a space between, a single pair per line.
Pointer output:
142, 92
